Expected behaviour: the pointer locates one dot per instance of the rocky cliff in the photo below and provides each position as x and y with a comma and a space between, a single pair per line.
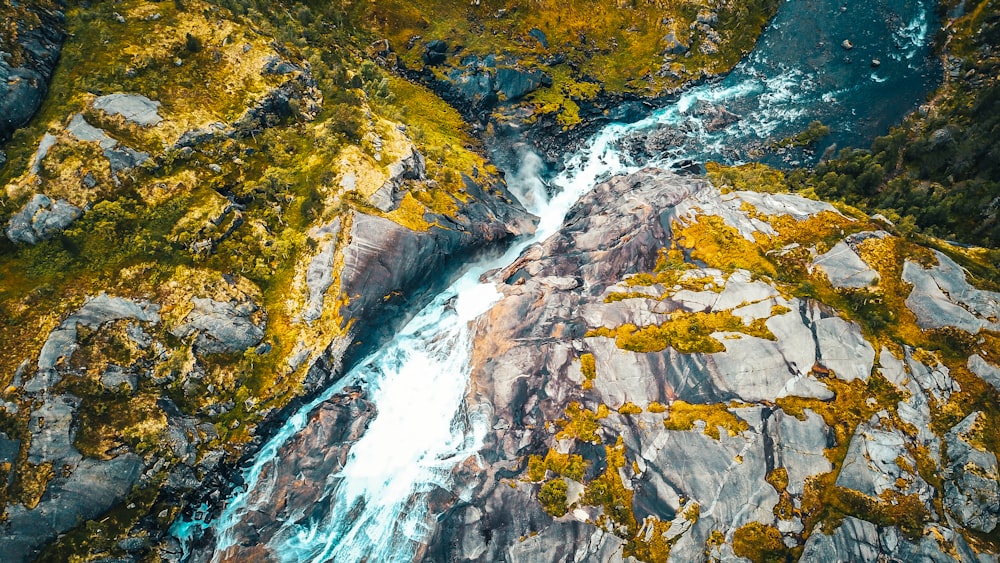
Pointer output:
686, 372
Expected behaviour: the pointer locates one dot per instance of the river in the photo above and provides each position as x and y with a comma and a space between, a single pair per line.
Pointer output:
376, 508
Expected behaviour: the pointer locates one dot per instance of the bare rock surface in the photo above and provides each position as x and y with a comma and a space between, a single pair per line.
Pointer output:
135, 108
746, 453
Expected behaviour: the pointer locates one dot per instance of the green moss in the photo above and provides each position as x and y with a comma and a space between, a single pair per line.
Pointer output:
552, 497
760, 543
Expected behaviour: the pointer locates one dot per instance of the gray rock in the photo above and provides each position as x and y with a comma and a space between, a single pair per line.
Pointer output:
135, 108
971, 491
942, 297
871, 467
800, 447
843, 349
83, 131
47, 142
221, 327
123, 158
985, 370
96, 311
91, 489
845, 268
41, 219
114, 377
862, 542
52, 432
37, 43
319, 274
410, 167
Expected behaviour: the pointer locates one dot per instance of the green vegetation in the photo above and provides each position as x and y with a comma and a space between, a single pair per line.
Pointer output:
592, 48
552, 496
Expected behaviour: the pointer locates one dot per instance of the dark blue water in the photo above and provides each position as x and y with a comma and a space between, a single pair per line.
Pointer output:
802, 72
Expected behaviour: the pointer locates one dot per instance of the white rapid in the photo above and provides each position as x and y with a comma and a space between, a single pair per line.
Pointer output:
418, 383
377, 506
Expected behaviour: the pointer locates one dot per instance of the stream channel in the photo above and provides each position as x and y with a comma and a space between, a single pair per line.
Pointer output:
375, 508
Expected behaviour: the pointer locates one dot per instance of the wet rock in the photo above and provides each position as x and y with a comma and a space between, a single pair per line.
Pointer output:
515, 83
972, 491
135, 108
714, 117
221, 327
436, 53
41, 219
26, 69
389, 268
300, 484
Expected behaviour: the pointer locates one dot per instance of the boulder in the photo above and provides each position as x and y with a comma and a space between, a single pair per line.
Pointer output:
943, 297
41, 219
844, 268
436, 53
515, 83
409, 167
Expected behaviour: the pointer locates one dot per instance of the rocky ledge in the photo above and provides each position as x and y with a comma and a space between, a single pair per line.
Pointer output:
34, 34
689, 373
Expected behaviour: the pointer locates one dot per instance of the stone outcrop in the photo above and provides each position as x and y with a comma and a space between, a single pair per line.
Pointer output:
40, 219
222, 327
25, 71
711, 441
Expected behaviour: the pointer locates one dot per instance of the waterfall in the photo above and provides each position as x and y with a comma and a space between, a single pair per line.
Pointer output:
377, 504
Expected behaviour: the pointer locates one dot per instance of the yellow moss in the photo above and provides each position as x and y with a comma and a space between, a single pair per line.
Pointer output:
683, 415
572, 466
589, 370
656, 407
581, 423
753, 176
630, 408
758, 543
686, 332
721, 246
